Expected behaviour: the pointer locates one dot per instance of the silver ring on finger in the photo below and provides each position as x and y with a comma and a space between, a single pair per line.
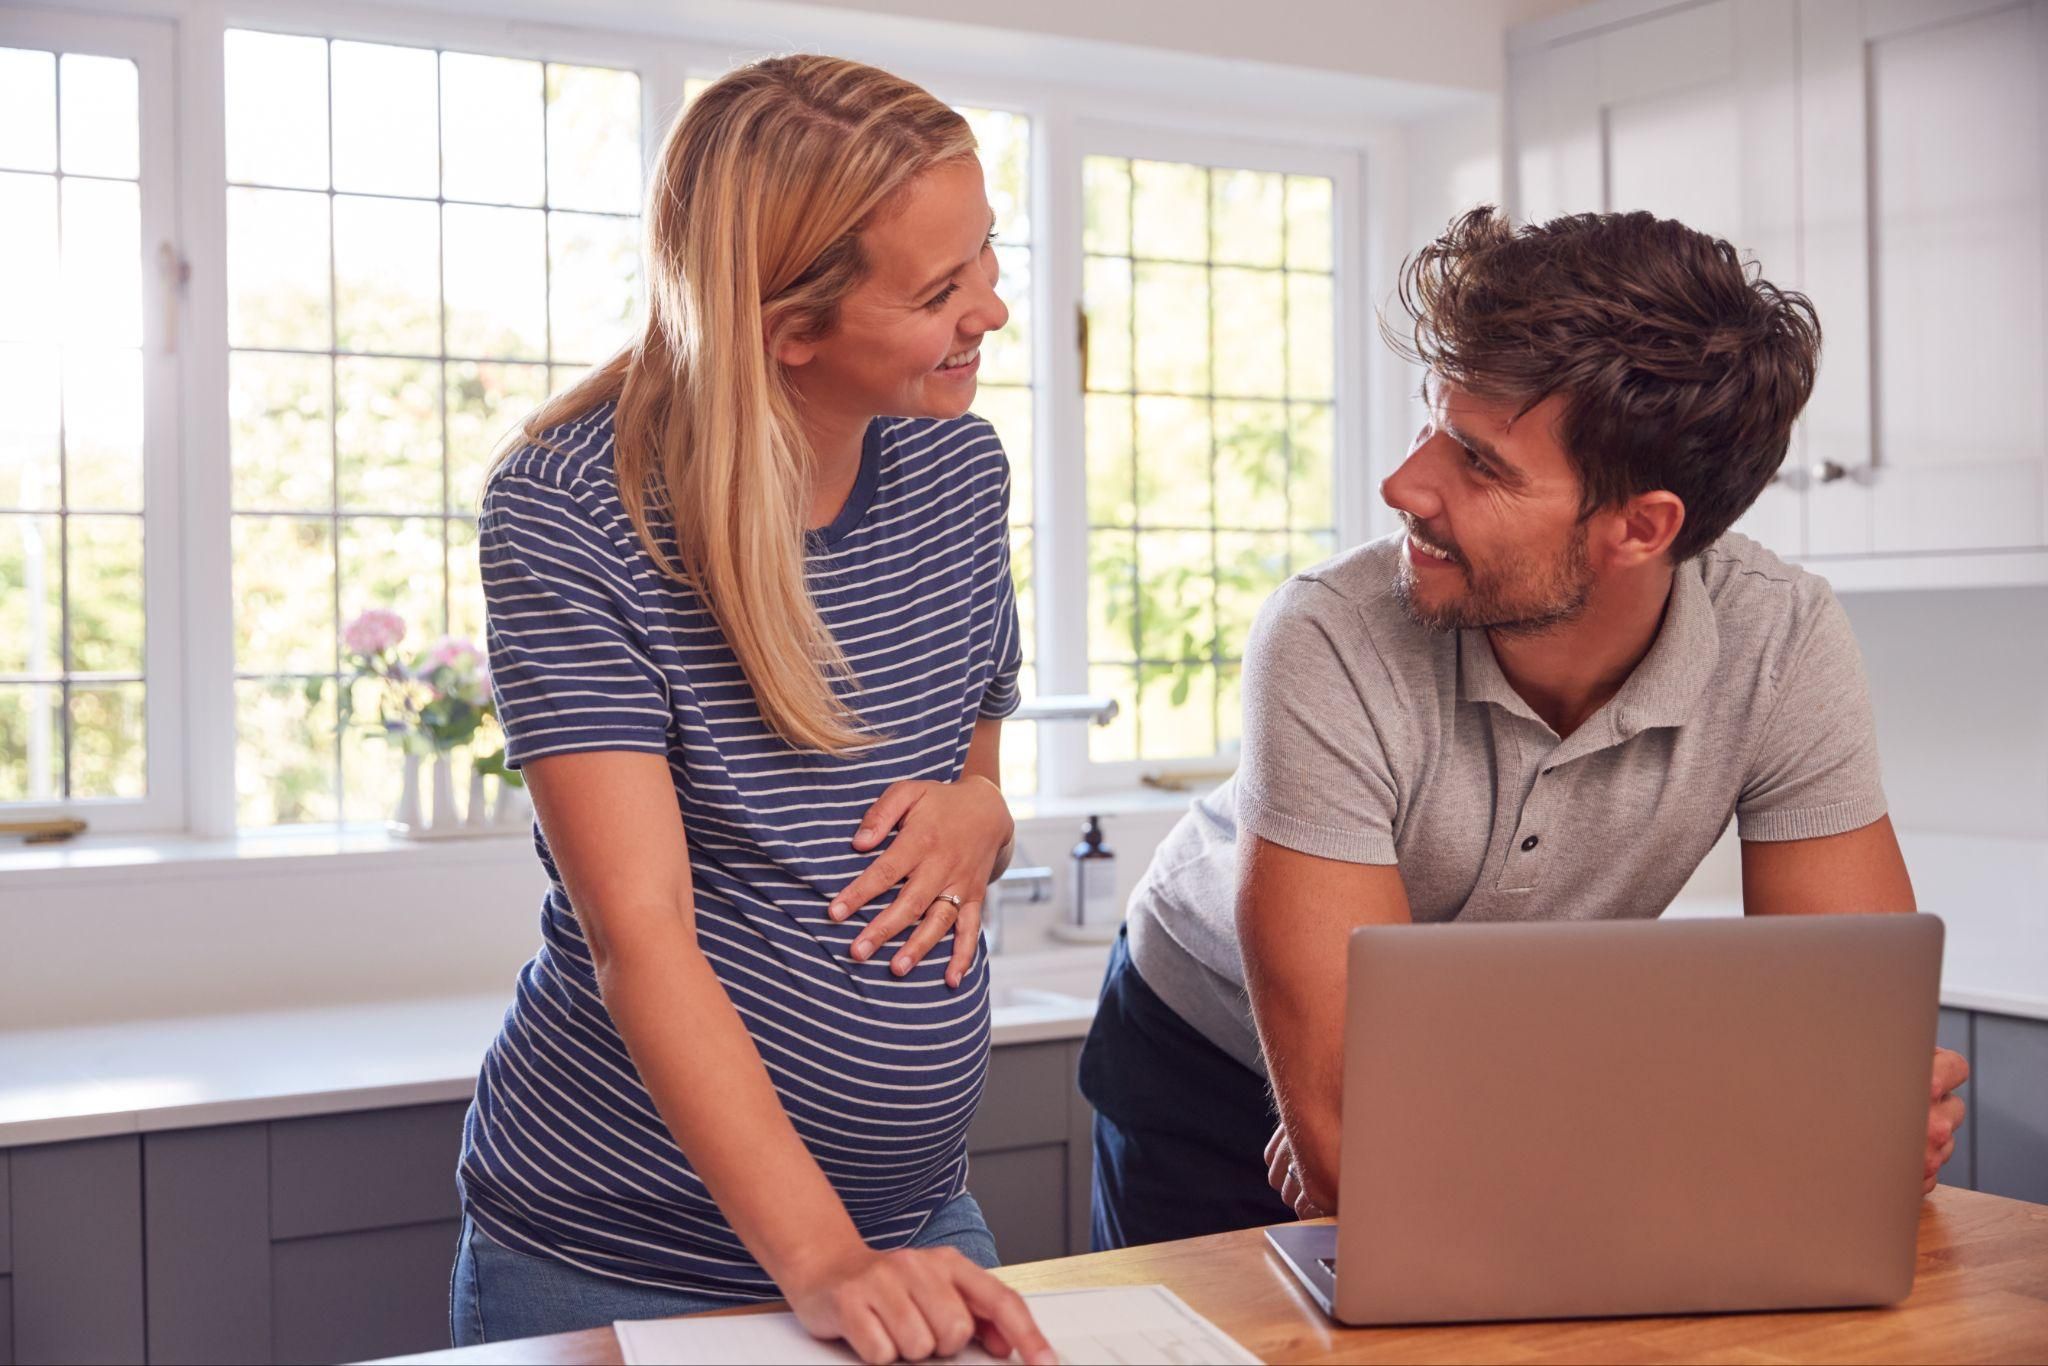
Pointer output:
949, 898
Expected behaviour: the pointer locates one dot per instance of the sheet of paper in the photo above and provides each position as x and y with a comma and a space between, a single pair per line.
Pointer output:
1128, 1324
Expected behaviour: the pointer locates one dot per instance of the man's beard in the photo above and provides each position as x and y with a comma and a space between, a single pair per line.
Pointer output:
1523, 596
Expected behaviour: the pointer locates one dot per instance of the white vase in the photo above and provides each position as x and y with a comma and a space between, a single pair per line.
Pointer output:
408, 813
444, 816
478, 815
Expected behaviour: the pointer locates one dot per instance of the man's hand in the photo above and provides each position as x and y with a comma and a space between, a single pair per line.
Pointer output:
1285, 1176
949, 839
1944, 1112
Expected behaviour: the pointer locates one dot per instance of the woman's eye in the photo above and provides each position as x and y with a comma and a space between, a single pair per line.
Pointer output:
938, 301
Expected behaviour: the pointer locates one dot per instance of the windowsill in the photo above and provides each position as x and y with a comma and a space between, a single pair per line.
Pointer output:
93, 858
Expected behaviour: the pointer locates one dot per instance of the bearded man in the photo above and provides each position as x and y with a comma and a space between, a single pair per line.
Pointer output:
1544, 699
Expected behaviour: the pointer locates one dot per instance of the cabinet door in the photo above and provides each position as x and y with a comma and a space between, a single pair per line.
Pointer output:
1690, 114
2010, 1107
1925, 140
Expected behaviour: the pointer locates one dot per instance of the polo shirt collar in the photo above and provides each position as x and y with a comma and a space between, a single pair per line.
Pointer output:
1660, 692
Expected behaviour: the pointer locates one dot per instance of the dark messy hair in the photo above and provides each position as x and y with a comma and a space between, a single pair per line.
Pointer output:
1680, 367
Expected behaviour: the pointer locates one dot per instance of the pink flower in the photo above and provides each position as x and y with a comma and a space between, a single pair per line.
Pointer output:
455, 652
378, 629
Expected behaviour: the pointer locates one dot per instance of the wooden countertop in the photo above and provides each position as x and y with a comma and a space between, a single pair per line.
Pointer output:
1980, 1294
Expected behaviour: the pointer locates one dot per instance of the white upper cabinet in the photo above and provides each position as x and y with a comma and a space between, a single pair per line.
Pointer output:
1926, 160
1890, 159
1692, 115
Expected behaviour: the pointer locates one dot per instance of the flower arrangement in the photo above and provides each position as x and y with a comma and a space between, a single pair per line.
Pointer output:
429, 704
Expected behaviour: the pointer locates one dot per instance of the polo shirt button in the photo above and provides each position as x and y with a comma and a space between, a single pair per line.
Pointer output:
1529, 843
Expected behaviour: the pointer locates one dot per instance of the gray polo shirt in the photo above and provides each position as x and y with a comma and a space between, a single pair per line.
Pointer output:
1372, 740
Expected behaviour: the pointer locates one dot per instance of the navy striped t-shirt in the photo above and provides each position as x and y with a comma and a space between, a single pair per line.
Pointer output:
592, 648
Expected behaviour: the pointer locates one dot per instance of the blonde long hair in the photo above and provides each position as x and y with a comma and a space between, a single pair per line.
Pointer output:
753, 238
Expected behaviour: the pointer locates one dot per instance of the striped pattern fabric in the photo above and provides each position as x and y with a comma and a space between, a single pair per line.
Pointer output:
564, 1155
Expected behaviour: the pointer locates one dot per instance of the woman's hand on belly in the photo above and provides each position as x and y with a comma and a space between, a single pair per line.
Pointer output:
912, 1304
949, 839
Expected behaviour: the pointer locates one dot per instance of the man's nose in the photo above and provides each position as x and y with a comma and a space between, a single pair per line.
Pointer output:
1410, 488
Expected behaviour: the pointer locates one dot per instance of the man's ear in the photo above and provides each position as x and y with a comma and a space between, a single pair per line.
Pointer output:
1649, 523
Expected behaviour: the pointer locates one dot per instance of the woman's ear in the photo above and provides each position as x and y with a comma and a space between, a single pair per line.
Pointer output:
793, 353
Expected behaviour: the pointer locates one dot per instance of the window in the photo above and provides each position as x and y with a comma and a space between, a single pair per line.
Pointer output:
1209, 379
85, 701
429, 224
422, 245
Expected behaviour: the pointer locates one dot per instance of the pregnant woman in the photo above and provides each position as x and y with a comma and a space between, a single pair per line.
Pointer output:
752, 636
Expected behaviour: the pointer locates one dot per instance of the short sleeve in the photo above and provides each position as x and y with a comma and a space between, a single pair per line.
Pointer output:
1002, 695
569, 661
1313, 775
1815, 770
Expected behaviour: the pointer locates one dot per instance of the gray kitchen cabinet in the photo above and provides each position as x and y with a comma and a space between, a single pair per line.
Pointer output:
2010, 1107
1953, 1032
1028, 1158
75, 1256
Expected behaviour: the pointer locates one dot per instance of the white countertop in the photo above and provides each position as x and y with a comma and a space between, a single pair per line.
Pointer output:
149, 1075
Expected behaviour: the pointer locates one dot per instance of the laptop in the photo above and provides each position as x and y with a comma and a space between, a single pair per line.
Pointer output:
1582, 1120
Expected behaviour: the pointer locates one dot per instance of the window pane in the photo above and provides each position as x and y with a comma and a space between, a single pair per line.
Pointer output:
1176, 711
1173, 462
107, 740
1229, 708
1250, 332
1112, 479
1311, 337
465, 583
486, 402
1112, 595
1311, 489
386, 280
394, 562
1106, 205
284, 752
32, 610
1312, 548
103, 429
278, 269
284, 594
1176, 597
277, 109
1172, 348
593, 139
1308, 223
104, 567
384, 111
1006, 355
1106, 295
387, 435
28, 112
496, 282
1251, 464
28, 426
1169, 211
28, 267
594, 284
1246, 217
491, 133
372, 767
102, 263
1005, 149
280, 431
31, 740
98, 123
1248, 569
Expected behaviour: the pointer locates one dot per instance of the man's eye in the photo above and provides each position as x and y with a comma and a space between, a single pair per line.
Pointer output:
938, 301
1479, 466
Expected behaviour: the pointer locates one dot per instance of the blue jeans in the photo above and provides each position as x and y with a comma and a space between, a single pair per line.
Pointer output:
496, 1293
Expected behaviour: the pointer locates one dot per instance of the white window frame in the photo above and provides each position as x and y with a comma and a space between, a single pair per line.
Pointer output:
150, 44
188, 547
